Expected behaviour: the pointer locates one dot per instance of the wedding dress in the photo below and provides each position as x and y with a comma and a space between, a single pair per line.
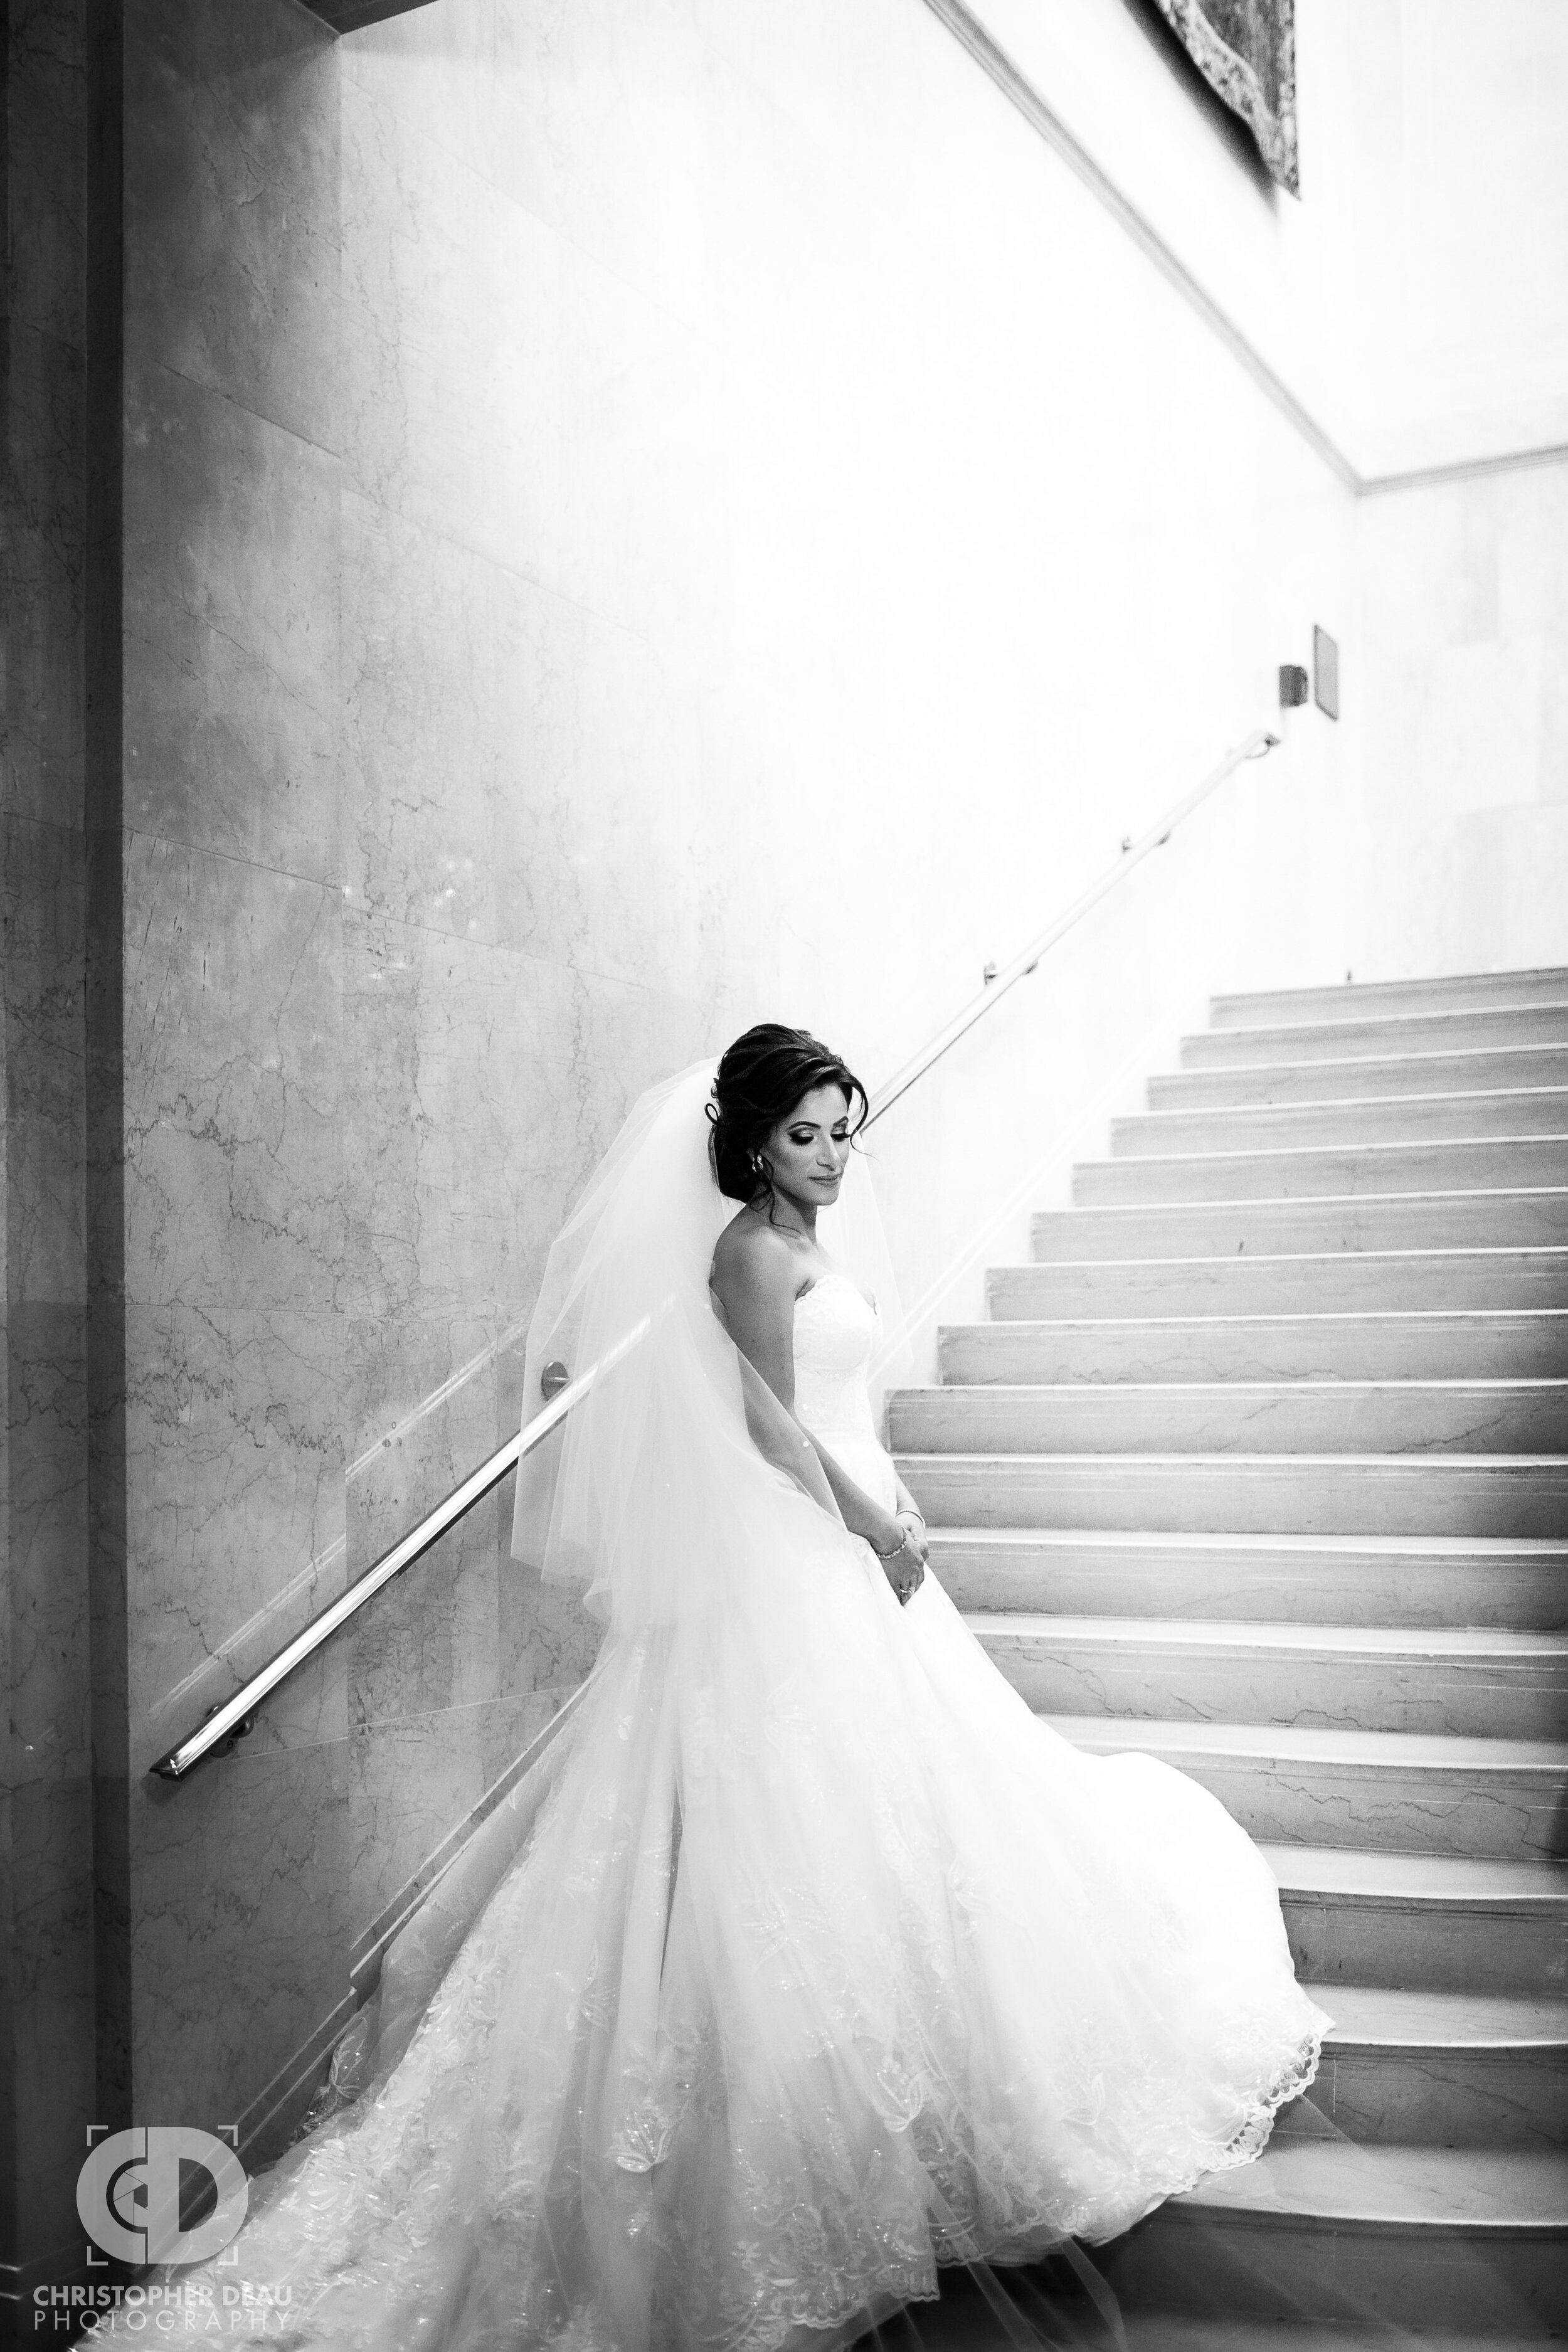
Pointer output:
807, 1960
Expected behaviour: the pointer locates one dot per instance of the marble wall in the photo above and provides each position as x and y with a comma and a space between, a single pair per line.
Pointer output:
637, 516
1463, 721
47, 1981
855, 538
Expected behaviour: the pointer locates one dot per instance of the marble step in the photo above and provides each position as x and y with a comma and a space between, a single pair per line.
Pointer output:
1449, 2069
1059, 2308
1238, 1083
1391, 1118
1309, 1416
1443, 992
1167, 2331
1338, 1282
1383, 1038
1398, 1791
1425, 2237
1423, 1921
1445, 1681
1392, 1581
1247, 1493
1425, 1345
1418, 1222
1510, 1162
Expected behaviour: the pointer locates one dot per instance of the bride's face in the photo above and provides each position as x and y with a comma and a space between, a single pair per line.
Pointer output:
809, 1151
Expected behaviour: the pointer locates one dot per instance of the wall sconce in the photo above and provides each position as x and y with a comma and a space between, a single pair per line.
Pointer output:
1292, 686
1325, 673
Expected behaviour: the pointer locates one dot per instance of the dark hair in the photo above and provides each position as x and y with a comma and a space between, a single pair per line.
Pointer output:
760, 1080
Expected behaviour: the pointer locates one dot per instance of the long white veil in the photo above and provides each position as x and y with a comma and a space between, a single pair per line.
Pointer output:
663, 1448
654, 1495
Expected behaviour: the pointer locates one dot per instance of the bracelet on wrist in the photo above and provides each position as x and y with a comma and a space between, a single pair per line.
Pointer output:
895, 1549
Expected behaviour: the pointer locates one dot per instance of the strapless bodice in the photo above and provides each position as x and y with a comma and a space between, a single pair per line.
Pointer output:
834, 1331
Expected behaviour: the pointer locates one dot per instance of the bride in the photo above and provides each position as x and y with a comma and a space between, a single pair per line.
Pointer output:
805, 1960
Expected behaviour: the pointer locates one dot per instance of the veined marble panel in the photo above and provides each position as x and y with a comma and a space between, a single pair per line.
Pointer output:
466, 1623
429, 1642
451, 393
523, 772
550, 414
414, 1778
43, 903
45, 1541
42, 500
240, 1924
231, 214
604, 127
50, 1936
47, 144
231, 600
234, 1472
611, 773
233, 1080
441, 75
482, 1085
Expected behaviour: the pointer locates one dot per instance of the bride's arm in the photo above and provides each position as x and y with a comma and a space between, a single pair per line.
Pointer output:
755, 1287
773, 1430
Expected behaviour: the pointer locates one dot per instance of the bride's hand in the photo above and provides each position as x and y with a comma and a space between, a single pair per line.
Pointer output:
902, 1565
914, 1528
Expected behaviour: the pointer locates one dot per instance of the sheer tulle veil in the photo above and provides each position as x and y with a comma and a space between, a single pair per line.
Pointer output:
652, 1495
626, 1499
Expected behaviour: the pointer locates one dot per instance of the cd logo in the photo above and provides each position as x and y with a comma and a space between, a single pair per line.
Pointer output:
128, 2194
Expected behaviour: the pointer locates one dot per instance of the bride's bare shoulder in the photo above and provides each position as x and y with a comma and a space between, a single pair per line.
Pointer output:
754, 1256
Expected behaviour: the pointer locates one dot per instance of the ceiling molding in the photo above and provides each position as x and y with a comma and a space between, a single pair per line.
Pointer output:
1017, 88
1463, 470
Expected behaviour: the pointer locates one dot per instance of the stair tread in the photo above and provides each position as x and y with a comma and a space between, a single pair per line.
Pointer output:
1371, 2183
1436, 1548
1357, 1104
1380, 1642
1372, 2016
1311, 1743
1453, 1881
1459, 1055
1320, 1203
1555, 999
1546, 972
1552, 1254
1159, 2331
1371, 1146
1468, 1318
1508, 1384
1440, 1021
1348, 1101
1449, 1459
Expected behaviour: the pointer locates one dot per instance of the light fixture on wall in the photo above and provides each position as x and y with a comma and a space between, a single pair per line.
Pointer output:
1325, 673
1292, 685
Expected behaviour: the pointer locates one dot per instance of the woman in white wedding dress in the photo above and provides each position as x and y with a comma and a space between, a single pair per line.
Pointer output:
806, 1960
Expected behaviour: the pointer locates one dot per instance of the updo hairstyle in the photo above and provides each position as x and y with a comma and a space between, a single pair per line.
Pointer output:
760, 1080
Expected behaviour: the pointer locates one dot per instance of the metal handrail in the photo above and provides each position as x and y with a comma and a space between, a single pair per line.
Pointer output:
227, 1722
1258, 746
231, 1720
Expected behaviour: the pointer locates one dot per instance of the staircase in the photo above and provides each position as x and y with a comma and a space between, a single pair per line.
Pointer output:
1262, 1465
